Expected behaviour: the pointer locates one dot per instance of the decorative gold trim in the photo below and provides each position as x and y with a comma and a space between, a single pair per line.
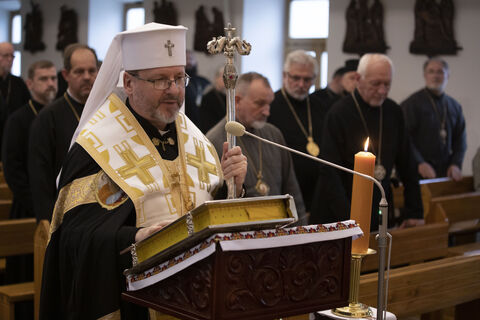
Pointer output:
79, 191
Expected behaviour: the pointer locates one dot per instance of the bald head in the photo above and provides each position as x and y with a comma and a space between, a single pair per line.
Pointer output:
375, 72
6, 58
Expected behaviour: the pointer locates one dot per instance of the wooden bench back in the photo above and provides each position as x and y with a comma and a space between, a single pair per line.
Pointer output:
16, 236
5, 192
40, 246
460, 207
434, 188
5, 206
426, 287
412, 245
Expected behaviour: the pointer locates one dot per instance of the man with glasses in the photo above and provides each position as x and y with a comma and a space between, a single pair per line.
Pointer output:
270, 170
436, 125
366, 113
300, 117
134, 167
13, 91
54, 126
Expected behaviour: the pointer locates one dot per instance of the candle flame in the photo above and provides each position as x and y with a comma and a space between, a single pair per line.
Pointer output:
366, 144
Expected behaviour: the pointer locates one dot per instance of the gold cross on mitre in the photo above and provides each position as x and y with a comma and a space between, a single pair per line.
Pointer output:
136, 166
169, 45
198, 161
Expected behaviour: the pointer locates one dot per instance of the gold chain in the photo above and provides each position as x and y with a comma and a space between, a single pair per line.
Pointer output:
250, 159
380, 129
30, 103
434, 106
71, 106
309, 115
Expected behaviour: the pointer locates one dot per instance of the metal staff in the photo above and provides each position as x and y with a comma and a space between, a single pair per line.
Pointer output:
228, 45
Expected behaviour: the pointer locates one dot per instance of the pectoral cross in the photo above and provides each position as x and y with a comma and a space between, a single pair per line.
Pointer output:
169, 45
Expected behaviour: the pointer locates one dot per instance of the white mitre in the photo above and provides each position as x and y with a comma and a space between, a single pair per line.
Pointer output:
152, 45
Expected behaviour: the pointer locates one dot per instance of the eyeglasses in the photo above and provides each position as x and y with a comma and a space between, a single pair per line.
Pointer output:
164, 84
298, 78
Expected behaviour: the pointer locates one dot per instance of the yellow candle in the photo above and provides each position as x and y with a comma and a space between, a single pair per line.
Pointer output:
362, 191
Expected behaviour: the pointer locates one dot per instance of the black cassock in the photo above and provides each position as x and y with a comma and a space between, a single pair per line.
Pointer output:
14, 94
50, 137
83, 270
14, 158
212, 109
344, 135
423, 124
327, 96
283, 118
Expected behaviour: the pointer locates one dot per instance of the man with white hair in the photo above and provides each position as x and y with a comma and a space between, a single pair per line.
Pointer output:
133, 168
436, 125
300, 117
270, 170
366, 113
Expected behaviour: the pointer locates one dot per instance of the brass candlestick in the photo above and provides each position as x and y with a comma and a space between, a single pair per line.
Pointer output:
355, 309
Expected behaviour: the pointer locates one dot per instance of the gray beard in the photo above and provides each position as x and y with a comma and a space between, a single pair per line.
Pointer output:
258, 124
159, 116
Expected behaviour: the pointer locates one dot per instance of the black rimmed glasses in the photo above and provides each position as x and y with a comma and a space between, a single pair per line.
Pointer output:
296, 78
164, 84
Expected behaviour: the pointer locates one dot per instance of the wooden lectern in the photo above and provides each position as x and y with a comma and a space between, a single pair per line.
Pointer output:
265, 283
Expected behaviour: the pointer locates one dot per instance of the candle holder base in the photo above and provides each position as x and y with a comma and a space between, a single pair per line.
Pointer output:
354, 310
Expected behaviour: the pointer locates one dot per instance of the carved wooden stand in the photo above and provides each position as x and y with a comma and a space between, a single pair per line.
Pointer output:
255, 284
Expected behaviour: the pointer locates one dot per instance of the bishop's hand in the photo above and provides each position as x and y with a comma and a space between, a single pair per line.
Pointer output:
234, 164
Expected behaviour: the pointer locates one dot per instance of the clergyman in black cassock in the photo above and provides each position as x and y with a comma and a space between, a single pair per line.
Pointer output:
102, 208
52, 130
13, 91
299, 117
42, 83
347, 125
436, 125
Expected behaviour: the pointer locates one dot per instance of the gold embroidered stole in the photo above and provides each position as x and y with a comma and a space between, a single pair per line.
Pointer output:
160, 189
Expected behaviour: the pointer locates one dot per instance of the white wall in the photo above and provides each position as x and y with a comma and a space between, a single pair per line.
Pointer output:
263, 28
105, 20
51, 19
399, 29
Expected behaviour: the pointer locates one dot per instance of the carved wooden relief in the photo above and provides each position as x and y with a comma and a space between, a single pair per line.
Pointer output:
434, 28
34, 30
364, 31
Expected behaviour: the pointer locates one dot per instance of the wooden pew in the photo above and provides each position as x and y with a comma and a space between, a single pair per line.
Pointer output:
461, 211
440, 187
5, 206
427, 287
40, 246
412, 245
5, 192
16, 238
433, 188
